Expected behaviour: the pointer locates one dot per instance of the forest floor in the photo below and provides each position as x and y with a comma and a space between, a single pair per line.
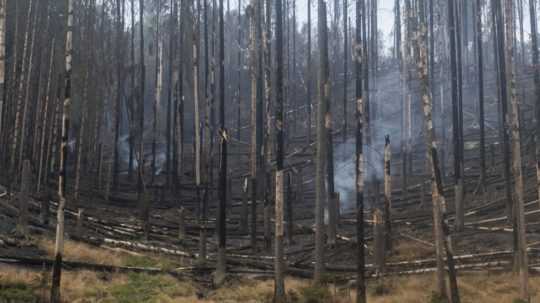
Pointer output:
30, 284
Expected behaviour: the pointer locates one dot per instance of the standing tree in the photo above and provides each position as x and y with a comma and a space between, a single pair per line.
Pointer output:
279, 266
514, 129
359, 159
536, 63
59, 245
221, 266
322, 141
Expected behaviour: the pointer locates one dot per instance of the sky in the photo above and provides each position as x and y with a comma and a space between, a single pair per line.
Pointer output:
385, 13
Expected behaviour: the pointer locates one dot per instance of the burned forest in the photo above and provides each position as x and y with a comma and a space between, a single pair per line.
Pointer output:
276, 151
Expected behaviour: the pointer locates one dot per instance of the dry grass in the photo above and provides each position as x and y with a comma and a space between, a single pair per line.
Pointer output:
88, 286
77, 251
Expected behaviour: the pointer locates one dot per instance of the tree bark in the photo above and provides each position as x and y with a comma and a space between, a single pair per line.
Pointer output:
322, 141
220, 273
359, 159
59, 244
536, 64
519, 208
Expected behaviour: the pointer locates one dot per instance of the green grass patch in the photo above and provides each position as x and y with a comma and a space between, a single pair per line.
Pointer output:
17, 292
146, 288
315, 294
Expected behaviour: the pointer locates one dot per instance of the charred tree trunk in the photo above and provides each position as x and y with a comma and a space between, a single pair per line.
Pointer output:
359, 159
388, 193
279, 266
59, 245
514, 128
481, 118
322, 141
222, 207
442, 237
536, 64
141, 101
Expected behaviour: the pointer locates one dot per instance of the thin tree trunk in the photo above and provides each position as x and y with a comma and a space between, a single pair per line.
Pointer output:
59, 245
308, 72
46, 110
442, 237
2, 63
536, 63
481, 119
279, 265
224, 137
359, 159
519, 208
322, 141
142, 84
388, 193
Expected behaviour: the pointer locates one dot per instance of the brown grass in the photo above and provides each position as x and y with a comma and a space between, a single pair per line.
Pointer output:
77, 251
88, 286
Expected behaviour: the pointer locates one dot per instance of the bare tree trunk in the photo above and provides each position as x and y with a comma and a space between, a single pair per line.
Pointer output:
536, 62
268, 148
46, 121
519, 208
308, 73
322, 141
59, 245
157, 96
345, 67
359, 160
2, 63
254, 12
119, 86
239, 70
23, 199
442, 237
141, 101
388, 193
221, 269
279, 266
481, 119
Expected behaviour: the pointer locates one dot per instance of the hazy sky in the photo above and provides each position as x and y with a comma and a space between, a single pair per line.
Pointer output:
385, 13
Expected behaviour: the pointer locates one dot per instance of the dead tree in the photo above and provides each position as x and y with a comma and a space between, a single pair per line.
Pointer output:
23, 198
481, 118
2, 61
388, 193
239, 72
119, 88
279, 266
345, 66
255, 29
268, 142
442, 236
322, 141
519, 207
59, 245
308, 73
157, 95
141, 101
458, 161
536, 62
359, 159
220, 273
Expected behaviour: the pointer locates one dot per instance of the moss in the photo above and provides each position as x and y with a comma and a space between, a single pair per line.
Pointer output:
315, 294
17, 292
437, 298
146, 288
